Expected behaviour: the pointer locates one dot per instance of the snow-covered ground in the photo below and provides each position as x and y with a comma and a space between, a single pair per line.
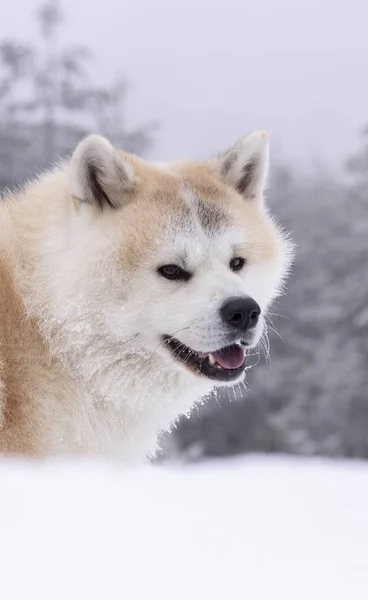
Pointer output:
251, 529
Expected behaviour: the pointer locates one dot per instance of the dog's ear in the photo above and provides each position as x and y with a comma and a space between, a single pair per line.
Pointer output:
98, 174
245, 165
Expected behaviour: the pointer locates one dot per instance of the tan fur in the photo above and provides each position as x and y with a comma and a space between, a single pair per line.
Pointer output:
53, 398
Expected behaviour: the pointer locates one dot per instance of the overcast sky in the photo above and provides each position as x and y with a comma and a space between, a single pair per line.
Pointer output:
211, 71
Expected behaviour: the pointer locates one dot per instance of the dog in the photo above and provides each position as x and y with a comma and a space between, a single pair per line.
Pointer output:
128, 291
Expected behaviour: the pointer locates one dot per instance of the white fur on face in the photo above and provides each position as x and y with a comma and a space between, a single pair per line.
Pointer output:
190, 310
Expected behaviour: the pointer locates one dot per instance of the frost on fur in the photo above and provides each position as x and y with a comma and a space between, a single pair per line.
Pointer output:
98, 174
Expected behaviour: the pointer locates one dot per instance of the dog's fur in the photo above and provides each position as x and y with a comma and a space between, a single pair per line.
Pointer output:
83, 308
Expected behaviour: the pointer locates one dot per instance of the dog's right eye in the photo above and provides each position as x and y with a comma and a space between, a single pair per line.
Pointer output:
174, 273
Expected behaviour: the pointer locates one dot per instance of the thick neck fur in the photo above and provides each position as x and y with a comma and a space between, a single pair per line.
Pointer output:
67, 386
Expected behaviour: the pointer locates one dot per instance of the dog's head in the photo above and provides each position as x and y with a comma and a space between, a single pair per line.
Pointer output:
182, 258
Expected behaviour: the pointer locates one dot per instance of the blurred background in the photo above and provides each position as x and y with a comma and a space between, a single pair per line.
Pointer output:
188, 78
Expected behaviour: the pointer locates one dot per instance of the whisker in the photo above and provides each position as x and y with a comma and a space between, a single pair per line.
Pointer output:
272, 327
277, 315
163, 341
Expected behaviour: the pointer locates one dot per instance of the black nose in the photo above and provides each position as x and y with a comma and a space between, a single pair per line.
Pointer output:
242, 313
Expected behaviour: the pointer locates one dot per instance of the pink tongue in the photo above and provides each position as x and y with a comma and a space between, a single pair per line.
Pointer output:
231, 357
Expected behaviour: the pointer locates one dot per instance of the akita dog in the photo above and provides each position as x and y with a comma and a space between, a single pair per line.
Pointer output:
128, 290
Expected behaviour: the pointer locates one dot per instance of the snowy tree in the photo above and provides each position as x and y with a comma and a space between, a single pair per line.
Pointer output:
48, 101
357, 166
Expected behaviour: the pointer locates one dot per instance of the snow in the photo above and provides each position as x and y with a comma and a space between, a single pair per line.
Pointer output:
249, 528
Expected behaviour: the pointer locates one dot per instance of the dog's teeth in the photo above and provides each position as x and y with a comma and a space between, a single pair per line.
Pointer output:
211, 360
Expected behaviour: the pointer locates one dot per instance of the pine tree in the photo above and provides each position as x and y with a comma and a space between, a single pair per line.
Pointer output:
48, 102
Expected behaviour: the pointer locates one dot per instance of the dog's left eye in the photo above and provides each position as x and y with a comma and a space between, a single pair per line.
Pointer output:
237, 263
174, 273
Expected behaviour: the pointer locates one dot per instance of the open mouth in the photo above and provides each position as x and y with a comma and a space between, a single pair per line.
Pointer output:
226, 364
